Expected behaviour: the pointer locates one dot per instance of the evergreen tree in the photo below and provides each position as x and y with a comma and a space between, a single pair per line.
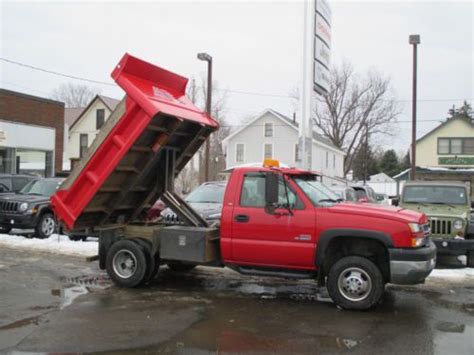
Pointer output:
389, 163
365, 163
465, 111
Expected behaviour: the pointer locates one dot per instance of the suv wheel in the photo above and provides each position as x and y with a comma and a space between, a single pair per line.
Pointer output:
46, 226
355, 283
126, 263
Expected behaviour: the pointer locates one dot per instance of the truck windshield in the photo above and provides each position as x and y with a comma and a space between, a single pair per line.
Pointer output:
316, 191
452, 195
208, 193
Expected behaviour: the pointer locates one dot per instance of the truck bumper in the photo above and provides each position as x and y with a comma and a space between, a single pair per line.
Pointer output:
454, 246
412, 266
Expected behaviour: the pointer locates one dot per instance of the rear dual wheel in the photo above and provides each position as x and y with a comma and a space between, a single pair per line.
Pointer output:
129, 263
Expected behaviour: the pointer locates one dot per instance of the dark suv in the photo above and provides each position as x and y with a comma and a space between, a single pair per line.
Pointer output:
30, 208
14, 182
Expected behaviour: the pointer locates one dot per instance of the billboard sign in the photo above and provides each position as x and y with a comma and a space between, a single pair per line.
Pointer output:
322, 46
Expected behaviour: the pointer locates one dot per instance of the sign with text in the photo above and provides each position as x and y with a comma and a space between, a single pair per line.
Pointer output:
322, 46
456, 161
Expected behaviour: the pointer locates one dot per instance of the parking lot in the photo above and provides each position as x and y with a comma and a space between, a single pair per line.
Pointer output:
63, 304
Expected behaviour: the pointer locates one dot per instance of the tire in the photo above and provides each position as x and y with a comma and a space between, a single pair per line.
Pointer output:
152, 266
126, 263
470, 259
179, 267
5, 229
348, 278
46, 226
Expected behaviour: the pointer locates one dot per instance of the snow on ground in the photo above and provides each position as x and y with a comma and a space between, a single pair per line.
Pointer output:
459, 274
59, 244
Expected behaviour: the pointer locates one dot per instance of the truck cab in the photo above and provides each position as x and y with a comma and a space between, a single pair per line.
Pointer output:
275, 221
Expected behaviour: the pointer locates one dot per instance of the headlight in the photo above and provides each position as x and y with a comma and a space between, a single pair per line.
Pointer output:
458, 224
415, 227
23, 207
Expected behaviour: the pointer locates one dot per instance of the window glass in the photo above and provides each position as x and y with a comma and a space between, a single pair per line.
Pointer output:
5, 184
43, 187
268, 151
468, 147
334, 161
327, 159
315, 190
443, 146
456, 146
239, 152
269, 129
100, 118
19, 183
350, 195
297, 158
208, 193
83, 138
435, 194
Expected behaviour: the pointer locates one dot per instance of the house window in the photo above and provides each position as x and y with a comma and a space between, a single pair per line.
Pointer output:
327, 159
456, 146
297, 156
83, 144
269, 129
268, 151
239, 152
334, 161
99, 118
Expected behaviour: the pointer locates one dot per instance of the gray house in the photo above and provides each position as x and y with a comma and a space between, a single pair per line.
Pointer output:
274, 135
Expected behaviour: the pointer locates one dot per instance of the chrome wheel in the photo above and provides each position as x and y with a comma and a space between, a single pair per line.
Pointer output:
124, 263
354, 284
48, 225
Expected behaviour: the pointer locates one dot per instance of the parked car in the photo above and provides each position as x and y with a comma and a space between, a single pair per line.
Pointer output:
383, 199
14, 182
206, 200
30, 208
345, 193
365, 193
448, 208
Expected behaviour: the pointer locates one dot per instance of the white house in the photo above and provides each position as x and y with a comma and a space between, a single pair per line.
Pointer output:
273, 135
83, 124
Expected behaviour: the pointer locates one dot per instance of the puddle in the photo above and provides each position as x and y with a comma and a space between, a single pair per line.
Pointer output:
450, 327
21, 323
453, 338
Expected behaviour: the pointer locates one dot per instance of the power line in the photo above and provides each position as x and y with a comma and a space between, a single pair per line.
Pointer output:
239, 92
56, 73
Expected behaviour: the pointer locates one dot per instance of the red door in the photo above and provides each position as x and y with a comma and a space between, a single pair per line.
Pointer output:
281, 239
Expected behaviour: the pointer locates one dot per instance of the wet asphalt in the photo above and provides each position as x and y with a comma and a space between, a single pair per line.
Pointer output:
51, 303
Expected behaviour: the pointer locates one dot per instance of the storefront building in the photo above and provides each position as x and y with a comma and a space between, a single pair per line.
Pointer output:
31, 134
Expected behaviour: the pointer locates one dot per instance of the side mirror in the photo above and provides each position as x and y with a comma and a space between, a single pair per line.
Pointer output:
271, 191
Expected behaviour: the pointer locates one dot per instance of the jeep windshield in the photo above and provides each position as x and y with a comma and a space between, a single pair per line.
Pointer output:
443, 195
44, 187
316, 191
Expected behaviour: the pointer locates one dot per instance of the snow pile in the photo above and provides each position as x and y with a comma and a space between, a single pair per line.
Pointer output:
458, 274
59, 244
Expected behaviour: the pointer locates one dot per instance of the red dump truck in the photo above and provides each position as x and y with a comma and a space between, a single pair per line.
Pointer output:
275, 221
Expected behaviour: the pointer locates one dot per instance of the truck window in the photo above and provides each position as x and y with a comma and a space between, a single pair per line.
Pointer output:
253, 193
435, 194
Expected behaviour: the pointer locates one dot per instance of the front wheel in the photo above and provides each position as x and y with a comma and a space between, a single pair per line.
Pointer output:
46, 226
355, 283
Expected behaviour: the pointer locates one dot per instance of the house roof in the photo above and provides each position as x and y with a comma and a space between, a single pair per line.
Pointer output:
316, 136
448, 121
111, 104
71, 114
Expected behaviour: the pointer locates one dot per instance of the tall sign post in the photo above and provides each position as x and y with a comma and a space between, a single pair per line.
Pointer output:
316, 63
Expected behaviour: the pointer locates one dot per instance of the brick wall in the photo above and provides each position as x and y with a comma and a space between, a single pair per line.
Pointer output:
22, 108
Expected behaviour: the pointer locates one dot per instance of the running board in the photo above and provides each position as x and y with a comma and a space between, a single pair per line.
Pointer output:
276, 273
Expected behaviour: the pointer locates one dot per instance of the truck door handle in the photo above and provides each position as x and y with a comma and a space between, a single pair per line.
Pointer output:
242, 218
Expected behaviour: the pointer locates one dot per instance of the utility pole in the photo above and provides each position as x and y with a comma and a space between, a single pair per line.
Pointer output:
207, 58
366, 152
415, 41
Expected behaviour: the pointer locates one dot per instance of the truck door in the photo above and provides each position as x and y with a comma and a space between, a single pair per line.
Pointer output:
281, 239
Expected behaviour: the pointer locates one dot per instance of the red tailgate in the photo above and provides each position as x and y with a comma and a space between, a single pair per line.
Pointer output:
153, 132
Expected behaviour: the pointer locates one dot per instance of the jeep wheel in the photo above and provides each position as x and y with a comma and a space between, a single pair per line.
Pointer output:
470, 259
46, 226
126, 263
179, 267
5, 229
355, 283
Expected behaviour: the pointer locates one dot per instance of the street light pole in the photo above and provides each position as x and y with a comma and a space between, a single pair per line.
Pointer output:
207, 58
415, 41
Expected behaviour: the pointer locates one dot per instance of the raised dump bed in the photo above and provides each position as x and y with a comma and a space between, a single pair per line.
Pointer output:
144, 144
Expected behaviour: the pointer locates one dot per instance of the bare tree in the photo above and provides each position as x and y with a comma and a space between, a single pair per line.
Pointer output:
187, 180
355, 107
74, 95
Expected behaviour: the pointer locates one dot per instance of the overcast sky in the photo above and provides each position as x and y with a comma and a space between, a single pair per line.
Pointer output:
256, 46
